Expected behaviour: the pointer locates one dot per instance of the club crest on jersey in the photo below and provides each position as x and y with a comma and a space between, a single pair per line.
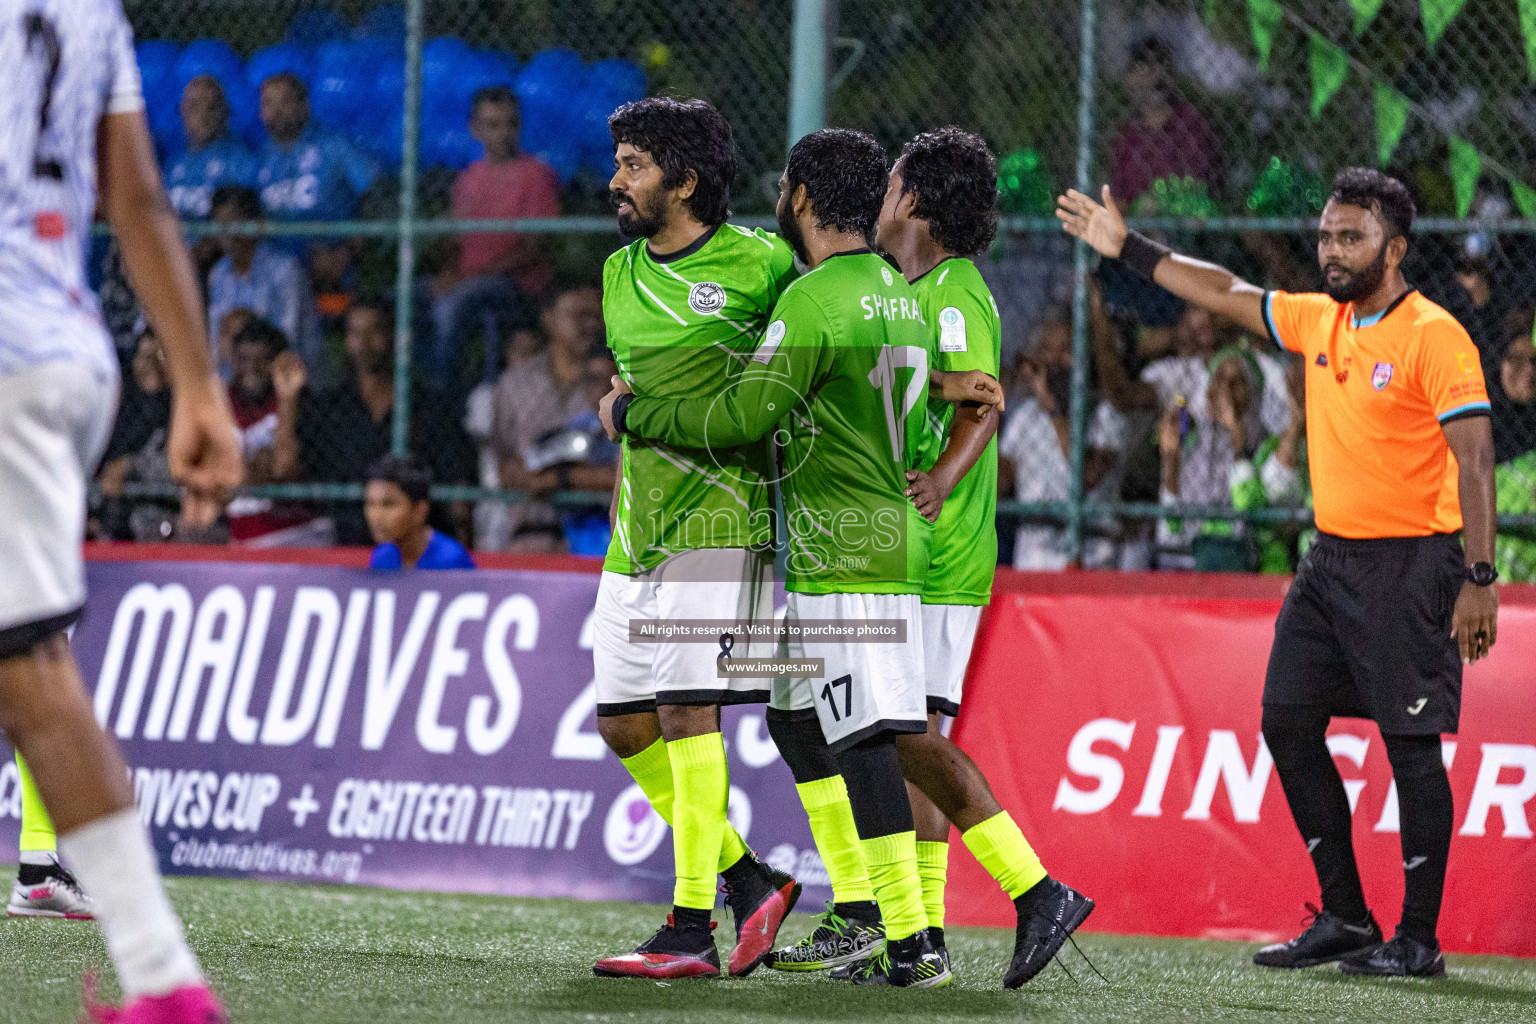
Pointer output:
1322, 359
885, 275
1381, 376
706, 297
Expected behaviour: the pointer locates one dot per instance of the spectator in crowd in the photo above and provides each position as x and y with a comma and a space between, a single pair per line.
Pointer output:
1475, 299
1512, 394
1035, 450
260, 277
1164, 135
1277, 477
213, 156
555, 391
136, 450
307, 172
229, 326
261, 522
398, 502
334, 434
1199, 456
494, 271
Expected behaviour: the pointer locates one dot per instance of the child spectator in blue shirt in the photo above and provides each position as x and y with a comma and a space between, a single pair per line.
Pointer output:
397, 501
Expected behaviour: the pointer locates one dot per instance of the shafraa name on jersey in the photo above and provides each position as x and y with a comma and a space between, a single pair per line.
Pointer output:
897, 308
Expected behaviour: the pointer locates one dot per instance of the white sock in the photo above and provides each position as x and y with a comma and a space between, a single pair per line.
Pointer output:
116, 867
39, 858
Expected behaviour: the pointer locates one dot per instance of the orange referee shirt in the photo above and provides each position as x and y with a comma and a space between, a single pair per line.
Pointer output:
1378, 392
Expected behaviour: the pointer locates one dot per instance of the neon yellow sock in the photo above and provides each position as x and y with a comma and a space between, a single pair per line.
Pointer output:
701, 785
837, 838
1002, 849
37, 835
652, 771
933, 869
892, 864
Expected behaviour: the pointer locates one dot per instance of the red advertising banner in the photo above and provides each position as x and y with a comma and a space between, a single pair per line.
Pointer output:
1122, 731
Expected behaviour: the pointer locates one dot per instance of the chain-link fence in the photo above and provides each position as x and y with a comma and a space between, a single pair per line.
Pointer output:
1217, 124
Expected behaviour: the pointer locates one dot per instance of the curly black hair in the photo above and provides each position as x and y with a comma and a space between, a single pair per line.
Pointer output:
1384, 196
683, 135
264, 333
954, 176
844, 175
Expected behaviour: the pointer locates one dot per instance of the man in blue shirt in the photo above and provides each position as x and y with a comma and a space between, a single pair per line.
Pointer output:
306, 172
213, 156
396, 502
256, 275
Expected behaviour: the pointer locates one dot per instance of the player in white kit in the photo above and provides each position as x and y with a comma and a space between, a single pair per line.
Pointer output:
72, 131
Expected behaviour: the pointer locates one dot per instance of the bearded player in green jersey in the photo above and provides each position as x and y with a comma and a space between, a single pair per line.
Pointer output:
684, 304
941, 209
841, 380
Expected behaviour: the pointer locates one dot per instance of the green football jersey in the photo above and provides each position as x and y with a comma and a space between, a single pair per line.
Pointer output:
677, 327
841, 381
959, 308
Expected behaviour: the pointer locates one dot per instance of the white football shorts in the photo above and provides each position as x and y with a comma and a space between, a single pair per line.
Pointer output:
55, 418
708, 583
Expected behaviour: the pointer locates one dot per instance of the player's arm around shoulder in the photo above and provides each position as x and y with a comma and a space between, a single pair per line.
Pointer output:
776, 375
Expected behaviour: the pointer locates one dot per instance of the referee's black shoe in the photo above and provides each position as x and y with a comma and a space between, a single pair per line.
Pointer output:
1403, 957
1328, 938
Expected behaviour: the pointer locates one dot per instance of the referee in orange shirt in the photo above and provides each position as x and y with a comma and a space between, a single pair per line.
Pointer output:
1386, 608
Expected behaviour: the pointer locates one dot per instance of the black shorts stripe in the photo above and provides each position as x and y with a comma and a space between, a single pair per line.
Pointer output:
626, 707
710, 697
940, 706
899, 725
23, 637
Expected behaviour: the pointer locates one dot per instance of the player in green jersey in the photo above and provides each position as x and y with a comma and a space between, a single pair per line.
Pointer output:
841, 380
940, 210
684, 304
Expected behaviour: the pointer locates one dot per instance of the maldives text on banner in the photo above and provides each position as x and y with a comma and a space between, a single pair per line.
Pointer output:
1122, 731
417, 730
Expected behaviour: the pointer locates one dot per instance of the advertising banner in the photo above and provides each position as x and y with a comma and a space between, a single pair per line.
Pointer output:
438, 731
1122, 731
415, 730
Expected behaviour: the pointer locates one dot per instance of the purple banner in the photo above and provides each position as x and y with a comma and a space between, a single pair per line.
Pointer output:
413, 730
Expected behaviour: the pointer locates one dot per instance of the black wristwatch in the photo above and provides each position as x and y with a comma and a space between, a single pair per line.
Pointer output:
1482, 574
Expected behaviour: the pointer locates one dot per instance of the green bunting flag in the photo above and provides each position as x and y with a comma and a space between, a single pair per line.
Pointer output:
1525, 199
1528, 30
1391, 120
1330, 67
1365, 13
1438, 15
1264, 17
1466, 166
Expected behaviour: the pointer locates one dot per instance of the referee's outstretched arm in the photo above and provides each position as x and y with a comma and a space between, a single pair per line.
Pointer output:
1204, 284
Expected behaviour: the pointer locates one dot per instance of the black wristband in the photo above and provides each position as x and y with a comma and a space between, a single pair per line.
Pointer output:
1142, 254
620, 412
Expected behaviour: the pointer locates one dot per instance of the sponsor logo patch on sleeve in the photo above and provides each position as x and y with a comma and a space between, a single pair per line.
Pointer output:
951, 330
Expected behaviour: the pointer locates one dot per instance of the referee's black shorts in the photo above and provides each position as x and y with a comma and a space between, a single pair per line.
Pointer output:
1365, 632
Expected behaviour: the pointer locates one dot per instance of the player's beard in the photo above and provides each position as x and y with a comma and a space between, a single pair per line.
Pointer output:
636, 223
1357, 284
789, 230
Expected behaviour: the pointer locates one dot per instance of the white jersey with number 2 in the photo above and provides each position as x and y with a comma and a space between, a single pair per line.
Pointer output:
65, 64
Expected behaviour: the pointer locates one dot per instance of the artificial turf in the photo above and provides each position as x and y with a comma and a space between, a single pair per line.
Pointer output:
287, 954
